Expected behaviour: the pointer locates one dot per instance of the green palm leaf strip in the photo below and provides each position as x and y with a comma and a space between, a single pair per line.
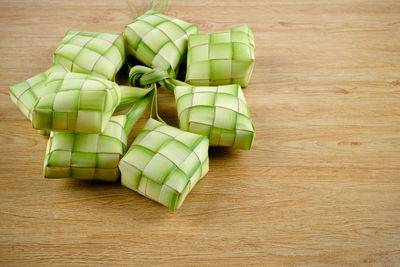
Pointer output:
93, 156
218, 112
225, 57
164, 163
130, 95
99, 54
158, 40
138, 8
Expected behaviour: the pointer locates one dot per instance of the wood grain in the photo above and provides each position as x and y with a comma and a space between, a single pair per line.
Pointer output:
321, 186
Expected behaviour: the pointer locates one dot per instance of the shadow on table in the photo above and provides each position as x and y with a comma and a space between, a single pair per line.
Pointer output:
113, 202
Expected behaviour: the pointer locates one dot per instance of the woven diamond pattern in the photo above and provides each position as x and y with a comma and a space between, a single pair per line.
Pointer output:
99, 54
218, 112
158, 40
225, 57
25, 94
164, 163
75, 102
87, 156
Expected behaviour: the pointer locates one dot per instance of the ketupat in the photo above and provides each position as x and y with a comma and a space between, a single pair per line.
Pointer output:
218, 112
99, 54
158, 40
92, 156
164, 163
25, 94
75, 102
225, 57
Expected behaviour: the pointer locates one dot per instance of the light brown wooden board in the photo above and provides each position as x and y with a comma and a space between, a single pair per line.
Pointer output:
321, 185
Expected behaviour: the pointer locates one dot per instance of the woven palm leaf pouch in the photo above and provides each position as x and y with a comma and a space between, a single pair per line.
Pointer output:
218, 112
75, 102
158, 40
99, 54
25, 94
225, 57
92, 156
164, 163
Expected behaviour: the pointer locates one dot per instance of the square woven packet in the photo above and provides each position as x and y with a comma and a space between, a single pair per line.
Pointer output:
99, 54
158, 40
87, 156
25, 94
75, 102
225, 57
164, 163
218, 112
92, 156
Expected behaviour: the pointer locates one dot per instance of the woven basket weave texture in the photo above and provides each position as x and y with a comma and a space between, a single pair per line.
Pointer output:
164, 163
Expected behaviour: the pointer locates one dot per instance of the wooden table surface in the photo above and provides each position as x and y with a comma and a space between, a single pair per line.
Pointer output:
321, 185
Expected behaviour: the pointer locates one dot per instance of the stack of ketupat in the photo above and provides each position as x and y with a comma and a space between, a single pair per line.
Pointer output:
74, 101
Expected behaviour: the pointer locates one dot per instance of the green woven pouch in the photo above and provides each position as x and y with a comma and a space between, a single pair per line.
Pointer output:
164, 163
225, 57
75, 102
92, 156
158, 40
25, 94
99, 54
218, 112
